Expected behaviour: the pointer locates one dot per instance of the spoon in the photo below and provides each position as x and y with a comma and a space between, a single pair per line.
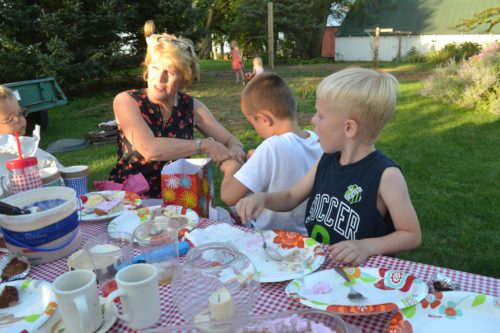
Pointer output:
271, 252
353, 295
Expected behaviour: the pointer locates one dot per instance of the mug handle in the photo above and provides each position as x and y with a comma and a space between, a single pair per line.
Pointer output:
83, 310
110, 302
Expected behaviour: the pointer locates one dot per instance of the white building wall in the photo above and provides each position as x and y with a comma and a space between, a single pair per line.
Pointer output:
361, 48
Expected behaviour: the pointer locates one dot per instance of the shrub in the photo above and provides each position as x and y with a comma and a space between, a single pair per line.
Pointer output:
413, 55
473, 83
454, 51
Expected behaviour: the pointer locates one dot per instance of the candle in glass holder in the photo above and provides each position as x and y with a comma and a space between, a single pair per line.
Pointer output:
221, 304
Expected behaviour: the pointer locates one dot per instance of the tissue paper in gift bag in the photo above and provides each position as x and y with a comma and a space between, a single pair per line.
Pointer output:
188, 183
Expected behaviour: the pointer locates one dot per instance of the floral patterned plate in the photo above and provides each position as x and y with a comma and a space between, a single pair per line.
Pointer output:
130, 220
129, 201
303, 255
385, 290
36, 304
449, 311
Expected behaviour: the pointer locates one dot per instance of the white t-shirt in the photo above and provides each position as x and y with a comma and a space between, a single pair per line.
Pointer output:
276, 165
258, 70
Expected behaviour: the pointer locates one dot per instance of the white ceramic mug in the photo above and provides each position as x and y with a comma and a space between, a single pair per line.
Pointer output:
76, 293
140, 297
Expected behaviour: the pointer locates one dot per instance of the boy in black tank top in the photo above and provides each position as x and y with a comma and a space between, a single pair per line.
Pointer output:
358, 198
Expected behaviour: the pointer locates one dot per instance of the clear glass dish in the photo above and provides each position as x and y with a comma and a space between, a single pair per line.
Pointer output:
279, 321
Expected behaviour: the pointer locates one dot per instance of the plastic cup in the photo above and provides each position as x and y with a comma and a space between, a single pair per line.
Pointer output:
109, 253
76, 177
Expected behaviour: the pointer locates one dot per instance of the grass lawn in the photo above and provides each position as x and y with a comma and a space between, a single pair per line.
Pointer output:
449, 156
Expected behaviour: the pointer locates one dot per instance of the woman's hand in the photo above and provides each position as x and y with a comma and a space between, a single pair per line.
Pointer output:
239, 153
351, 252
218, 152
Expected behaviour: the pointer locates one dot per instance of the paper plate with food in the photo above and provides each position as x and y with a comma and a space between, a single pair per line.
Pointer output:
385, 290
128, 221
301, 254
25, 305
104, 205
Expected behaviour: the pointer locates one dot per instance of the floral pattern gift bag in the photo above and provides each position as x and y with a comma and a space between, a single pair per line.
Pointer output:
188, 183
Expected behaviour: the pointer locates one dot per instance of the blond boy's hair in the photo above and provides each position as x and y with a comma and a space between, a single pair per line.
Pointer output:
5, 93
268, 91
257, 61
177, 49
364, 94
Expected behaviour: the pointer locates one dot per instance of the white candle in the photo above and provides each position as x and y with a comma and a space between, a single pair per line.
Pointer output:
221, 304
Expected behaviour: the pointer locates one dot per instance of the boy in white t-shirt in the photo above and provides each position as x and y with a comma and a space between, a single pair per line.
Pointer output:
284, 157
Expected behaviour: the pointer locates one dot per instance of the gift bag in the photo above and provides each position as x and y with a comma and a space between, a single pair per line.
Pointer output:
188, 183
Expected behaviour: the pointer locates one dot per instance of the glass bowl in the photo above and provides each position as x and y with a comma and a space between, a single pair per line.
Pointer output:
308, 320
215, 283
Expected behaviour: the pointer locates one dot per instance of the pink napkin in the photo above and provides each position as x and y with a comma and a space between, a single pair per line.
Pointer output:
134, 183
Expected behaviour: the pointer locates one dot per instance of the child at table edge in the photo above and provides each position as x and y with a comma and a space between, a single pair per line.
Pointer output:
358, 198
284, 157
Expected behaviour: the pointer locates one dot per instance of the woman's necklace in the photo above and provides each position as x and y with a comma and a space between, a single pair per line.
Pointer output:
174, 104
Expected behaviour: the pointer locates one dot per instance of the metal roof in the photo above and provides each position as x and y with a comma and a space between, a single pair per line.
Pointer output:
427, 17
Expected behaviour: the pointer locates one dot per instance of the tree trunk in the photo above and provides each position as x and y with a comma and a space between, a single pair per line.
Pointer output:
206, 41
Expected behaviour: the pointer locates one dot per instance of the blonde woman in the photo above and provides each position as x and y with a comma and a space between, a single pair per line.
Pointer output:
156, 124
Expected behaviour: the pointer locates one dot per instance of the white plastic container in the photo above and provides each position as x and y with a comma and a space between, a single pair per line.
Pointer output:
54, 231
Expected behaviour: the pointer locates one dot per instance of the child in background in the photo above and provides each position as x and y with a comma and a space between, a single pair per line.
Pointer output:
358, 198
236, 63
257, 69
11, 120
284, 157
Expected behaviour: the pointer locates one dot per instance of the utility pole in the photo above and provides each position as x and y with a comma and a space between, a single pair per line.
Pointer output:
270, 35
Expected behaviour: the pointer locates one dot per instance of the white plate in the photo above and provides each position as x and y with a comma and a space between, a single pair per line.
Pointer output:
385, 290
130, 201
36, 304
131, 219
449, 311
55, 323
309, 254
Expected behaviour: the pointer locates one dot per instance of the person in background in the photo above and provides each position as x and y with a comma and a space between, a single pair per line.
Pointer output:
358, 197
12, 119
156, 124
11, 115
237, 63
283, 158
257, 69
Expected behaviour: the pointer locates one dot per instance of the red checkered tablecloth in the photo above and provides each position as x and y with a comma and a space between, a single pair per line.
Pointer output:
272, 296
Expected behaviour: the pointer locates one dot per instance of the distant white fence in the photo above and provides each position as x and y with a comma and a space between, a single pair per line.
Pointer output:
360, 48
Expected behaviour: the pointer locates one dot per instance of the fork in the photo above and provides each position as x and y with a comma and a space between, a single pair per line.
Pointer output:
353, 295
271, 252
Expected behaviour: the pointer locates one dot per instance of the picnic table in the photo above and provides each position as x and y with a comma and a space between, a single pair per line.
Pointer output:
272, 297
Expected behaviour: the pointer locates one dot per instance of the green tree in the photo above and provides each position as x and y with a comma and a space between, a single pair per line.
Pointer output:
75, 41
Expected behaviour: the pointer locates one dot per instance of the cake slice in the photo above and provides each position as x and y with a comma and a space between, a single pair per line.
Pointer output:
9, 297
107, 207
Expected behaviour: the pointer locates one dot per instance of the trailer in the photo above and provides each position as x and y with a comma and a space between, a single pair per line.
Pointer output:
36, 97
